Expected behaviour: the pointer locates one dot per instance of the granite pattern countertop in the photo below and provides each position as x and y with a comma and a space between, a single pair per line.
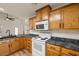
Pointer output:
6, 39
21, 35
65, 42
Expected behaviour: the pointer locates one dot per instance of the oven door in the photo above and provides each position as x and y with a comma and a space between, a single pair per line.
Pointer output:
36, 47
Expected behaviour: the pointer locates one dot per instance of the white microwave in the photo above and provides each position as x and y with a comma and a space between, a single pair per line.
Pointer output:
42, 25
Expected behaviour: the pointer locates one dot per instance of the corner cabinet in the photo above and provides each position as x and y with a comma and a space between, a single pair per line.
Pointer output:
71, 16
55, 19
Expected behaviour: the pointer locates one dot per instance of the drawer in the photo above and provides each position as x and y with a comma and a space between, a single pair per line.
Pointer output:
53, 47
69, 52
29, 40
51, 53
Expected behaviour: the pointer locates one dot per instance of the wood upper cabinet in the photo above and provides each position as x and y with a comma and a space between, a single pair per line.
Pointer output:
71, 16
4, 49
55, 19
32, 22
43, 13
38, 16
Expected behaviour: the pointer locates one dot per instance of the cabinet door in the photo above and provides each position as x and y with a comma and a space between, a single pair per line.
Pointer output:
38, 16
69, 52
45, 13
14, 46
33, 22
30, 24
51, 53
4, 49
71, 16
21, 42
52, 50
25, 43
55, 19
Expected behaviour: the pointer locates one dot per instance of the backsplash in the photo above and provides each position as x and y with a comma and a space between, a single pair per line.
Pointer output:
73, 34
42, 34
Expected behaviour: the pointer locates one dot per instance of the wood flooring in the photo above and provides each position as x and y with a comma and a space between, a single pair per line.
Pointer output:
22, 52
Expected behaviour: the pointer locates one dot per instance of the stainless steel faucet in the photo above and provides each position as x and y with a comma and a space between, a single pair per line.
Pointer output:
8, 31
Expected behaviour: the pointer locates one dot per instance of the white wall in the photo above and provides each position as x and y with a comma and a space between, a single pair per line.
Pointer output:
8, 24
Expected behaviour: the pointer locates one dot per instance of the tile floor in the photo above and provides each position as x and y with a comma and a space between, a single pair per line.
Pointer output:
21, 53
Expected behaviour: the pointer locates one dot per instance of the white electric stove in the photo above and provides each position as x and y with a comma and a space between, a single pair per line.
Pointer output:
38, 46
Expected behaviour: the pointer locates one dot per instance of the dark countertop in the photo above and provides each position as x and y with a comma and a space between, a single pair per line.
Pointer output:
65, 42
21, 35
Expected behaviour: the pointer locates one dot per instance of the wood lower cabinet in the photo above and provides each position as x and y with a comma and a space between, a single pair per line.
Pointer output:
71, 16
25, 43
55, 19
21, 42
29, 45
51, 53
4, 49
14, 45
68, 52
52, 50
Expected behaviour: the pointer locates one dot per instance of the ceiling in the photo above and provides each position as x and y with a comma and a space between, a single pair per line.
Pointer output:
25, 10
